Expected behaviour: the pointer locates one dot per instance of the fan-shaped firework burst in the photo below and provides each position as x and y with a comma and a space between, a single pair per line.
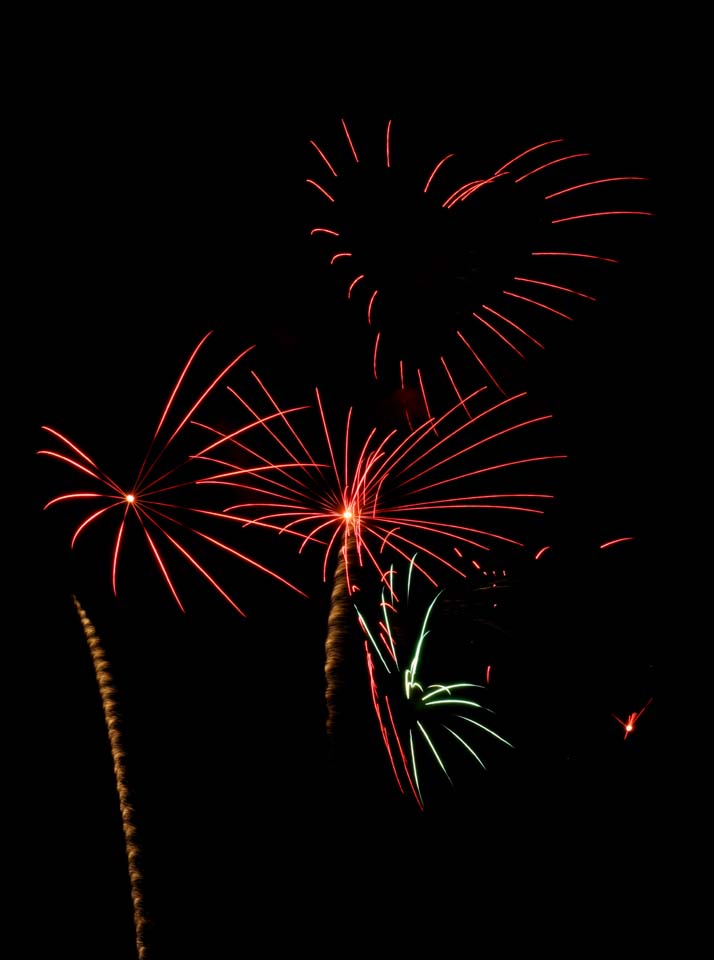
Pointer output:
428, 490
399, 493
421, 722
444, 253
154, 497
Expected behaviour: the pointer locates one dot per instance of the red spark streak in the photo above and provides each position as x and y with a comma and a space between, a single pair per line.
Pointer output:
611, 543
512, 324
321, 189
555, 286
590, 183
551, 163
384, 730
563, 253
537, 303
605, 213
349, 140
436, 168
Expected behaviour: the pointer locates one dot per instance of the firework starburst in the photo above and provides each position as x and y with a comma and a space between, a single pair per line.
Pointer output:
428, 490
421, 722
433, 253
161, 499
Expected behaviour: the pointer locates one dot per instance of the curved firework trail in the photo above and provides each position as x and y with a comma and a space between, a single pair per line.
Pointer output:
444, 254
395, 494
153, 499
108, 694
339, 629
420, 722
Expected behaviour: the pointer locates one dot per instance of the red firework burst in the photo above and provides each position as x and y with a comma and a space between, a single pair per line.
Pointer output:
417, 490
153, 499
629, 724
477, 260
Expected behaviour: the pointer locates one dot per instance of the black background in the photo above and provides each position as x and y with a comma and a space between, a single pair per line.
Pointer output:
164, 196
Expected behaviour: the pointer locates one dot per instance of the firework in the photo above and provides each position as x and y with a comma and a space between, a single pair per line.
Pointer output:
108, 693
154, 498
629, 724
420, 722
153, 501
397, 494
487, 260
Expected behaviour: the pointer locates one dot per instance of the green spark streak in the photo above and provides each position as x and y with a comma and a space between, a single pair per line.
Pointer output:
447, 688
386, 639
487, 729
463, 742
409, 575
412, 671
435, 752
461, 703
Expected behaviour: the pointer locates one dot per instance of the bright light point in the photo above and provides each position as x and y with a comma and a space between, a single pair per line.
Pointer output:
347, 514
130, 498
629, 725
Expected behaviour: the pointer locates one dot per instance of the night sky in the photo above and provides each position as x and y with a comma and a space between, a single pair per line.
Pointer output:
166, 205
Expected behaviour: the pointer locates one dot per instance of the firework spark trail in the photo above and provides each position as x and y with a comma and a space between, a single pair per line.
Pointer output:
391, 495
418, 711
630, 723
339, 626
150, 500
587, 196
108, 693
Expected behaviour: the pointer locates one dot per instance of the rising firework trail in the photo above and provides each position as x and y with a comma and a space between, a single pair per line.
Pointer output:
108, 693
